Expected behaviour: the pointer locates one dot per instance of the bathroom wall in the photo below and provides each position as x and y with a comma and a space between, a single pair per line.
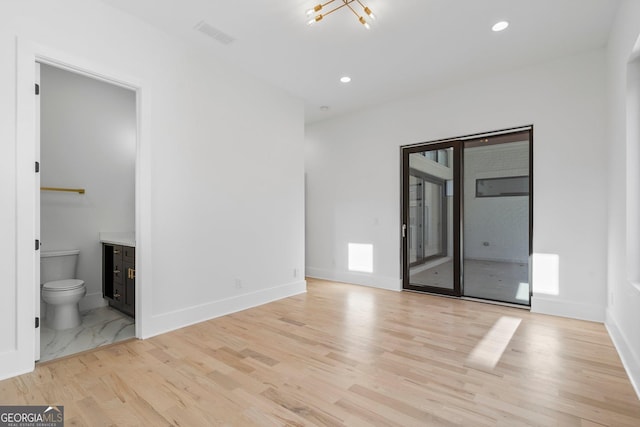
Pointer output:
88, 140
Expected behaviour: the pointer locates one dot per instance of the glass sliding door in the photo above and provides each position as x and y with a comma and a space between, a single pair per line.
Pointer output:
467, 216
430, 238
496, 218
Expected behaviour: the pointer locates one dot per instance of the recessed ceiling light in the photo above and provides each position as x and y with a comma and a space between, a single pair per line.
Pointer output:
499, 26
345, 79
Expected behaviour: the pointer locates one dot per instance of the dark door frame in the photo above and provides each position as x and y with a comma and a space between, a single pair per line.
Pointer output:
457, 183
458, 143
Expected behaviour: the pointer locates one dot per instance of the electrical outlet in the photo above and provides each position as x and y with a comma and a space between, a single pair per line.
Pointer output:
238, 284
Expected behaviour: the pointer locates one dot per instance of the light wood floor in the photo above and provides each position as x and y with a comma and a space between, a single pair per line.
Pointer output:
347, 355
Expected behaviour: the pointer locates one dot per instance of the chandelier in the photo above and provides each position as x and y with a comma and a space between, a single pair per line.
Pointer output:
342, 3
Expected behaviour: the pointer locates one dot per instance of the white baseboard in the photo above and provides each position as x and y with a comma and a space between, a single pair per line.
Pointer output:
630, 360
567, 308
371, 280
10, 374
167, 322
91, 301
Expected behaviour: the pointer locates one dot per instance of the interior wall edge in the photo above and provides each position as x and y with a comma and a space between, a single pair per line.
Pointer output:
622, 315
630, 360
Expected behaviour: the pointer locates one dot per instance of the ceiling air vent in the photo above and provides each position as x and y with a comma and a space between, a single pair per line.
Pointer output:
214, 33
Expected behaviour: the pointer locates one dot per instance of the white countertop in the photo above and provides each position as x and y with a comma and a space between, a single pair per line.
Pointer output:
124, 238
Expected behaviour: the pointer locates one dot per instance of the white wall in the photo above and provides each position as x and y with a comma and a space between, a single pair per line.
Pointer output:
623, 311
220, 171
88, 140
353, 175
502, 222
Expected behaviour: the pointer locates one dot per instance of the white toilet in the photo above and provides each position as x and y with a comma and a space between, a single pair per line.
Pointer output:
60, 289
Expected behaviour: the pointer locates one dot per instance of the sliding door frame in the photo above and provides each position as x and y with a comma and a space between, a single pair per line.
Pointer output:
458, 209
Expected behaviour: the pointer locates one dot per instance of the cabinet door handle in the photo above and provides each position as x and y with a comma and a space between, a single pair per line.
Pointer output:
116, 271
131, 273
116, 252
116, 296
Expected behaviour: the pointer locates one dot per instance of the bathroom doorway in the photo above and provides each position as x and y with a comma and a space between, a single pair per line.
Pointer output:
467, 207
87, 156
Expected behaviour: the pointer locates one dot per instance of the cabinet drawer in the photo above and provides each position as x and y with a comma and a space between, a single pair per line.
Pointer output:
117, 267
118, 292
118, 271
117, 251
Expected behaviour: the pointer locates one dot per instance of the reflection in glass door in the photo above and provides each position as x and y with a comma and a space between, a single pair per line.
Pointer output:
429, 210
427, 217
496, 218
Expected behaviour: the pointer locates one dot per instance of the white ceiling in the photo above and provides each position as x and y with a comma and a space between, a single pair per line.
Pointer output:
414, 45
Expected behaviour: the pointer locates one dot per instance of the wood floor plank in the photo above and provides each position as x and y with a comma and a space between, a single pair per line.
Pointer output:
348, 355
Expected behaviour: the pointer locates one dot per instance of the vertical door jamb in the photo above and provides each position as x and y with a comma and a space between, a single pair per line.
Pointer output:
458, 281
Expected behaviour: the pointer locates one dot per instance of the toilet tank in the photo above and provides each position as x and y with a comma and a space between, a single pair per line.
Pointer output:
58, 265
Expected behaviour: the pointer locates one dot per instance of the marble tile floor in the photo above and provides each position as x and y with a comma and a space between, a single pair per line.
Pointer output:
99, 326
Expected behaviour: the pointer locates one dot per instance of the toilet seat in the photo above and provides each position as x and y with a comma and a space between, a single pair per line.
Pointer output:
63, 285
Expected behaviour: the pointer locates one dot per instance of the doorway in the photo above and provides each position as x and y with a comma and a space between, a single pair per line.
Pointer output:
86, 149
467, 216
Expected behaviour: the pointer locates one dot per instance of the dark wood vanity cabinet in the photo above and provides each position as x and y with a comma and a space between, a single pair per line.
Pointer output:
119, 277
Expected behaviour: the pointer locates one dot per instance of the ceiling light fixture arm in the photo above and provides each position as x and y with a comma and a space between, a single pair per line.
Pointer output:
366, 10
349, 6
347, 3
338, 7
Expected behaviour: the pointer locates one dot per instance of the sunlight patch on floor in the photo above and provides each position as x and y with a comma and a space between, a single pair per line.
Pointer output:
489, 350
